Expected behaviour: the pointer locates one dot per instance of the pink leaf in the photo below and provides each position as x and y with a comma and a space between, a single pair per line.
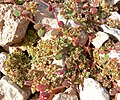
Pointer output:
41, 87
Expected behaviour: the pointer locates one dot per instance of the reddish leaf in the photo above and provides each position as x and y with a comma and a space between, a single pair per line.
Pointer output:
66, 83
61, 72
50, 8
44, 95
93, 10
61, 24
28, 83
76, 41
41, 87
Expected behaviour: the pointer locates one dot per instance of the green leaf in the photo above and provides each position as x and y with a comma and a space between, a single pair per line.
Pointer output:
31, 32
55, 32
16, 13
41, 33
87, 74
58, 56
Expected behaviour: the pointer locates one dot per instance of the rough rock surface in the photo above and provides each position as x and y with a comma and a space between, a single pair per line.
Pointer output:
69, 94
3, 57
114, 1
117, 97
112, 31
115, 54
115, 16
10, 91
100, 38
12, 29
92, 90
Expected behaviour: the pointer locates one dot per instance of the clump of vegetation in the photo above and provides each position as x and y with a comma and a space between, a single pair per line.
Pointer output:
37, 69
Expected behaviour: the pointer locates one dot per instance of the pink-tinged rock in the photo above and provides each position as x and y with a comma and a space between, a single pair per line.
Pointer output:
13, 29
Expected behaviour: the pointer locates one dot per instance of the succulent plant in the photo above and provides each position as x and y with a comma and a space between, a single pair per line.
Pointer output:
36, 68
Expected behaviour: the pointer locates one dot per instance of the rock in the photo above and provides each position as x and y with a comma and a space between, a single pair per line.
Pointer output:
92, 90
60, 96
115, 16
3, 57
100, 38
59, 62
112, 31
118, 82
14, 28
114, 54
69, 94
11, 91
117, 96
114, 1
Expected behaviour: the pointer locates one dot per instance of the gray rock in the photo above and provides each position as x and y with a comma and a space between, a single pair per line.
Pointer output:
92, 90
114, 1
100, 38
112, 31
11, 91
69, 94
13, 29
3, 57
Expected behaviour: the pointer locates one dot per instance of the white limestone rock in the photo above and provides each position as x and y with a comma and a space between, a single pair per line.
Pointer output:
11, 91
92, 90
114, 54
114, 1
14, 28
3, 57
115, 16
69, 94
112, 31
100, 38
59, 62
117, 96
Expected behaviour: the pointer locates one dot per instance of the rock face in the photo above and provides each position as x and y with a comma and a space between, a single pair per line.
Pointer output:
114, 1
12, 29
100, 38
115, 54
10, 91
92, 90
112, 31
69, 94
115, 16
3, 57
